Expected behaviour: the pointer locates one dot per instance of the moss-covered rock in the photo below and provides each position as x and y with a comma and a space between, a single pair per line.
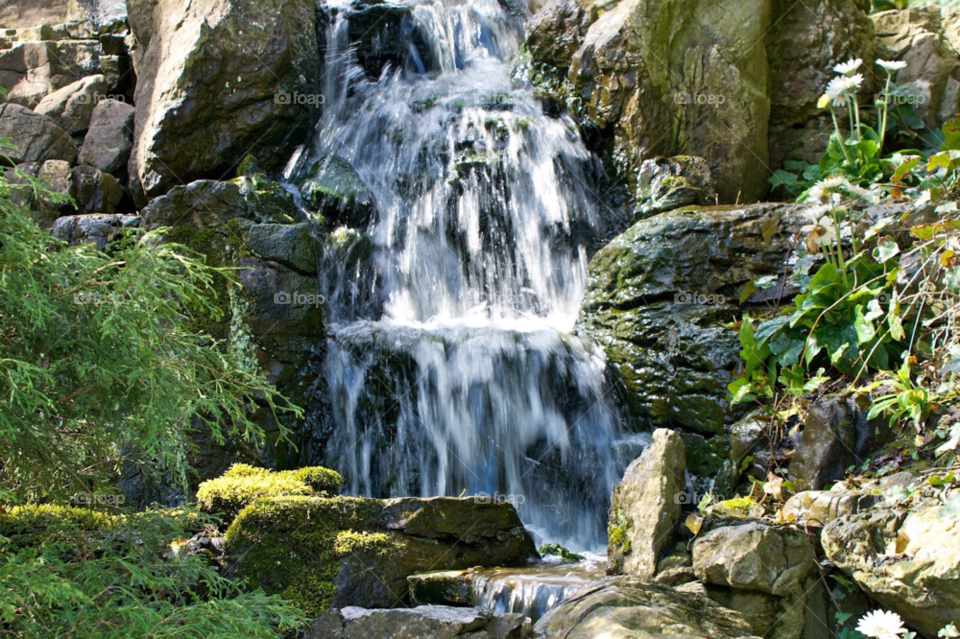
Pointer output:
337, 192
343, 551
660, 301
242, 484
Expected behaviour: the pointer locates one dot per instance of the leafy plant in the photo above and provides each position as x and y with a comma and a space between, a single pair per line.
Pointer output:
906, 399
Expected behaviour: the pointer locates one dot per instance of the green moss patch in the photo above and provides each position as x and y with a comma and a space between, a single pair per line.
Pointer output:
241, 484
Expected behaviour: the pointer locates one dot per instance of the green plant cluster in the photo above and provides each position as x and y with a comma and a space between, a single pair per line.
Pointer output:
75, 572
241, 484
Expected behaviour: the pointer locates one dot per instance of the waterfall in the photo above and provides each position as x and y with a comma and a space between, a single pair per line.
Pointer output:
452, 367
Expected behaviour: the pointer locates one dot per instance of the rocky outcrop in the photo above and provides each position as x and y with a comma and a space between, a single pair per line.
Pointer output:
932, 75
817, 508
33, 69
353, 551
659, 296
628, 608
221, 78
438, 622
36, 137
646, 506
805, 42
665, 184
907, 561
671, 78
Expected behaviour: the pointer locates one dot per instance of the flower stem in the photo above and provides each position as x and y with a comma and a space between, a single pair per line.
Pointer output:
836, 125
883, 111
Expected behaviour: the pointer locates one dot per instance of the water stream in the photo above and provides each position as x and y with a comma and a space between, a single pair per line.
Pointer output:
452, 367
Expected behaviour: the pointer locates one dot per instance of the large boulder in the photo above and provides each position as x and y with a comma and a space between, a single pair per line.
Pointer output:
908, 562
348, 551
756, 557
817, 508
36, 137
109, 139
208, 203
646, 506
73, 105
625, 608
670, 78
94, 229
660, 296
220, 79
436, 622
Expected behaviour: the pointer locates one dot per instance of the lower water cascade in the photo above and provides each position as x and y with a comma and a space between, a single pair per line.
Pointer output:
452, 366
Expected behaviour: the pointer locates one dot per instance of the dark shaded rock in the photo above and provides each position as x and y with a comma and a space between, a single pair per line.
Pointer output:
451, 587
629, 608
218, 77
436, 622
835, 435
803, 615
659, 296
109, 139
291, 245
646, 506
36, 137
353, 551
208, 203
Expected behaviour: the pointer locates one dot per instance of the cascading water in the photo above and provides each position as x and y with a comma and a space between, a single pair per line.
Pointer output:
452, 368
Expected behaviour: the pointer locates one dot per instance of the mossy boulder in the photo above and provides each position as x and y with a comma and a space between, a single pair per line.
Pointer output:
352, 551
660, 300
665, 184
337, 192
242, 484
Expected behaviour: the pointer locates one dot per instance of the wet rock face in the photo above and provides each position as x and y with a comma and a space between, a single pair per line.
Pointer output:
109, 139
221, 80
658, 296
440, 622
907, 562
626, 607
646, 506
359, 552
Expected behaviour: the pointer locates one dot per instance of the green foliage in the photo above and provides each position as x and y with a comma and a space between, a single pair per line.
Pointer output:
99, 365
71, 572
241, 484
906, 400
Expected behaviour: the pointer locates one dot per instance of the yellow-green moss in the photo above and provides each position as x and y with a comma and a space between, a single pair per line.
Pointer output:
617, 531
241, 484
292, 546
737, 507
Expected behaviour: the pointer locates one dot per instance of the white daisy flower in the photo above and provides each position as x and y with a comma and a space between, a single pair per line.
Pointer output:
839, 89
881, 624
892, 66
950, 631
823, 232
849, 67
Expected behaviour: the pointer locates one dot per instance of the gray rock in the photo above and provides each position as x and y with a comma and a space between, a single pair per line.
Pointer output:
211, 76
646, 506
109, 139
338, 193
31, 70
96, 229
36, 137
932, 75
756, 557
817, 508
95, 191
72, 106
664, 184
907, 562
291, 245
626, 608
658, 297
436, 622
803, 615
208, 203
835, 435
